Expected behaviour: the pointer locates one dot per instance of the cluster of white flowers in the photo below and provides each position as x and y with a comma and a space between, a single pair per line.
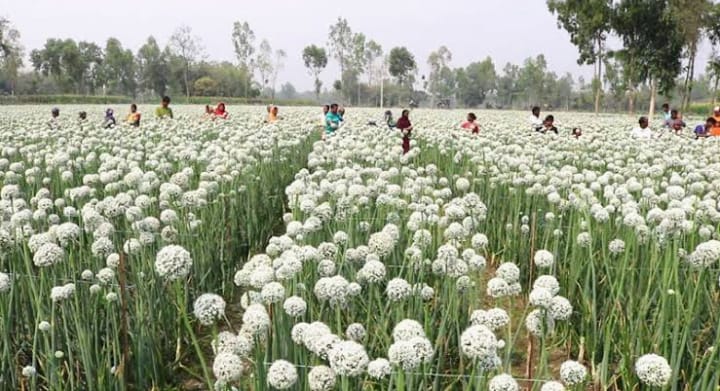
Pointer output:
653, 370
208, 308
173, 262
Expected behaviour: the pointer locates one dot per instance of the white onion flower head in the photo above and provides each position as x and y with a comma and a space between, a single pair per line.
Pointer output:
355, 332
173, 262
48, 254
560, 308
572, 373
540, 297
227, 367
544, 259
321, 378
407, 329
208, 308
282, 375
5, 282
295, 306
348, 358
379, 368
552, 386
509, 272
478, 342
503, 382
256, 319
272, 292
398, 289
653, 370
547, 282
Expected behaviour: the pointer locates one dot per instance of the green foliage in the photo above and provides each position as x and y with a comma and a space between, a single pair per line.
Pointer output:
315, 60
402, 65
205, 86
476, 81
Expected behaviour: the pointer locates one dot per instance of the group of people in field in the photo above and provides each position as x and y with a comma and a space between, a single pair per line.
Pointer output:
673, 121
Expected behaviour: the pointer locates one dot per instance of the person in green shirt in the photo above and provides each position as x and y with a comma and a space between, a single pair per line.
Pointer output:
164, 110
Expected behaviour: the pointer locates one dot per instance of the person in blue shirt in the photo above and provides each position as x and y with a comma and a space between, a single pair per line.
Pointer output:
332, 120
666, 113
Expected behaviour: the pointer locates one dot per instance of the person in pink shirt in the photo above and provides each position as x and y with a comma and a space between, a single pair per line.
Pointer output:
470, 124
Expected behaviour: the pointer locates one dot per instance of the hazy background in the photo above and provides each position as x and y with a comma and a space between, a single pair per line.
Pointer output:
506, 30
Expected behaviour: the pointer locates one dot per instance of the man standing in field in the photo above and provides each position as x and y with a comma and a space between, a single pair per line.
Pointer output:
164, 110
332, 120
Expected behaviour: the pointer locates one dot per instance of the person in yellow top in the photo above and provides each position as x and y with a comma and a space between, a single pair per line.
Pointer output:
133, 119
164, 110
272, 114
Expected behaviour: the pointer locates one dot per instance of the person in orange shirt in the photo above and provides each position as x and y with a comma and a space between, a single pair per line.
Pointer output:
470, 124
273, 114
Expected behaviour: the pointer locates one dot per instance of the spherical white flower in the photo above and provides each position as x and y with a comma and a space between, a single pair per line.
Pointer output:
407, 329
227, 342
29, 371
209, 307
494, 319
48, 254
60, 293
173, 262
616, 246
44, 326
227, 367
398, 289
403, 354
355, 332
478, 342
256, 319
540, 297
705, 254
572, 373
547, 282
498, 287
560, 308
348, 358
503, 382
321, 378
653, 370
295, 306
509, 272
538, 323
372, 272
552, 386
5, 282
272, 292
105, 276
544, 259
326, 268
479, 241
298, 332
379, 368
584, 239
282, 375
476, 263
381, 243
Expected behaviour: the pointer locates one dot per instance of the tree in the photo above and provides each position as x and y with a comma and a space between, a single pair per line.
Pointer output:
92, 58
288, 91
205, 86
507, 85
531, 80
10, 54
713, 71
696, 18
119, 68
478, 80
264, 63
188, 48
63, 61
315, 59
243, 39
588, 22
644, 26
340, 42
153, 70
278, 65
402, 66
441, 81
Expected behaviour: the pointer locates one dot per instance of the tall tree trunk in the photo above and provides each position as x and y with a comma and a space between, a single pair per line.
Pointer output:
687, 96
599, 60
653, 92
715, 90
187, 85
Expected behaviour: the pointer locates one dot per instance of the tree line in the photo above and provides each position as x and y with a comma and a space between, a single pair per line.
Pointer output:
660, 40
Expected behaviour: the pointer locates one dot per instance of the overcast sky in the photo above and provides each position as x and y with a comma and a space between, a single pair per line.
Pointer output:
506, 30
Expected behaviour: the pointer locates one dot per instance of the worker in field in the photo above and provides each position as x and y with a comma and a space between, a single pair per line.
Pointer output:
109, 121
536, 123
164, 111
548, 125
471, 124
705, 130
133, 119
273, 114
405, 127
54, 122
220, 111
667, 114
332, 121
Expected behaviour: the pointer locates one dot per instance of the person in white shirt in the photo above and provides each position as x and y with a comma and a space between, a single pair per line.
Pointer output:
642, 131
536, 123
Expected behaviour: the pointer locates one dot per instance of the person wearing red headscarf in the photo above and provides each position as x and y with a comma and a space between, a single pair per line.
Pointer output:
220, 111
406, 128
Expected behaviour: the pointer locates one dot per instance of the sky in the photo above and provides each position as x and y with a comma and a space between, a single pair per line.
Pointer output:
506, 30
